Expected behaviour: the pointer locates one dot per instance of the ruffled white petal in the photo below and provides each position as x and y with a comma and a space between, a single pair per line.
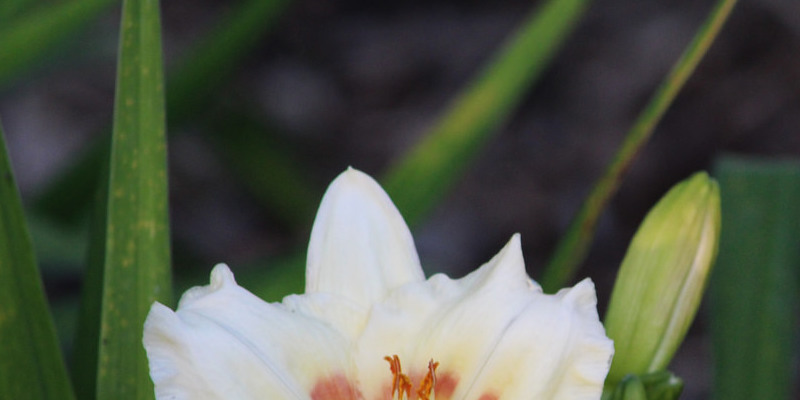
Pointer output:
360, 246
225, 343
487, 330
555, 349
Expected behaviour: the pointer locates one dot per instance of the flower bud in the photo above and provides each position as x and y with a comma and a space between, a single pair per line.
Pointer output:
662, 278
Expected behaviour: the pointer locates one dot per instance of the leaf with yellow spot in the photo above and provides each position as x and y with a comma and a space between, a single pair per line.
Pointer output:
129, 259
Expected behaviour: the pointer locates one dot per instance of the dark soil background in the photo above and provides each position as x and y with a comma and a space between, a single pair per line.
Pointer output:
357, 83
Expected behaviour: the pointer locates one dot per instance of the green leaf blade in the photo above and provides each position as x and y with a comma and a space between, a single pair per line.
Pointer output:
131, 267
31, 365
754, 290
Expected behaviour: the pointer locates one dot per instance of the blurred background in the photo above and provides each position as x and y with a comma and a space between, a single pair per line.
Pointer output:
317, 86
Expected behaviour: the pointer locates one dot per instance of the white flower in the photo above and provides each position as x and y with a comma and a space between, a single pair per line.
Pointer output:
490, 335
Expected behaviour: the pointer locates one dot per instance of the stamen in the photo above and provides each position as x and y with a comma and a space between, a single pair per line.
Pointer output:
425, 391
397, 372
401, 383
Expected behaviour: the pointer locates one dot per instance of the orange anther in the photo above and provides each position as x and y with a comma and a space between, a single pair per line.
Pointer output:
428, 382
394, 366
401, 383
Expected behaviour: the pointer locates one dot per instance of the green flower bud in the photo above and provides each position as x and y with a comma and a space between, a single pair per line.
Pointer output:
662, 278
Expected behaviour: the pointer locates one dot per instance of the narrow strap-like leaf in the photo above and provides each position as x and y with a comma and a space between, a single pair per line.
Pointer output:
137, 258
422, 177
134, 258
572, 248
754, 289
31, 366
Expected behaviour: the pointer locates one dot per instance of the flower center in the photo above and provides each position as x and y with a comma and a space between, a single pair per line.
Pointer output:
401, 384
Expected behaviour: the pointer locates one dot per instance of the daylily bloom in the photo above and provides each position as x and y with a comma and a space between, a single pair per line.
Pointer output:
370, 326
